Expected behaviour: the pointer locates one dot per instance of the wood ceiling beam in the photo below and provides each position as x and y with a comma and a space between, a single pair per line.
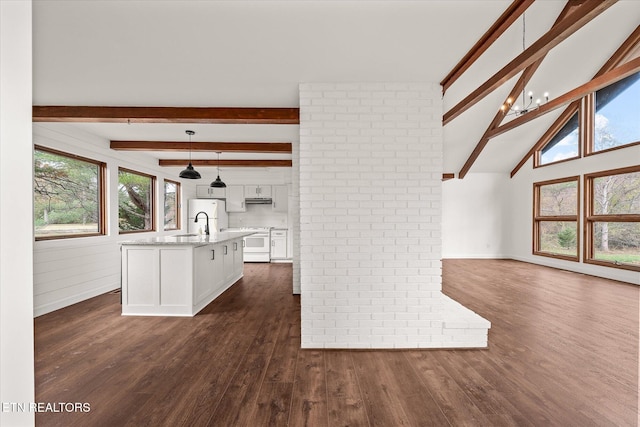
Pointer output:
253, 147
597, 83
228, 163
498, 118
505, 20
517, 89
207, 115
627, 48
587, 11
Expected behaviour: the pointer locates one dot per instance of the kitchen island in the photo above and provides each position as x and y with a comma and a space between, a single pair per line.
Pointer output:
179, 275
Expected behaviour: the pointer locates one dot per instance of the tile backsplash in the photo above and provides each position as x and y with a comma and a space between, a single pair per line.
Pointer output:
258, 216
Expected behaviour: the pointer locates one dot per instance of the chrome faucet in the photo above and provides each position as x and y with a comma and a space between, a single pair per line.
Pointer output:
206, 226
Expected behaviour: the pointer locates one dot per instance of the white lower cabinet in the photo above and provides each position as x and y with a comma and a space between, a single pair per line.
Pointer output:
178, 280
227, 255
208, 273
278, 244
238, 258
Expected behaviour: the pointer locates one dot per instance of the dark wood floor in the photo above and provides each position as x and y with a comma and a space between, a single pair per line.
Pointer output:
563, 351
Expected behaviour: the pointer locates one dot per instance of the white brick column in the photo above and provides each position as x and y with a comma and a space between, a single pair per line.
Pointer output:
370, 170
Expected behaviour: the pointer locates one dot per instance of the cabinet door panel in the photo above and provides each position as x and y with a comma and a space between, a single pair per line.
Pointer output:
141, 284
227, 253
203, 267
280, 199
235, 198
218, 268
174, 274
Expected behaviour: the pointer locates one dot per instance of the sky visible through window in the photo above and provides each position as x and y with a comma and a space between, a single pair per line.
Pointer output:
616, 123
619, 119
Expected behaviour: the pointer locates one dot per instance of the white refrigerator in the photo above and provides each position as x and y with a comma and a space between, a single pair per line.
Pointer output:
211, 209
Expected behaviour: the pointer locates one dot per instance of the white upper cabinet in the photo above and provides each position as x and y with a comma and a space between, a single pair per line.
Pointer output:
257, 191
207, 192
235, 198
280, 198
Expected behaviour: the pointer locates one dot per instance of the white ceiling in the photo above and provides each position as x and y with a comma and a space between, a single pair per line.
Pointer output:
255, 53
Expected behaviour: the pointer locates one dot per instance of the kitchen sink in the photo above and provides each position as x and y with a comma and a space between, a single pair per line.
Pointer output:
185, 235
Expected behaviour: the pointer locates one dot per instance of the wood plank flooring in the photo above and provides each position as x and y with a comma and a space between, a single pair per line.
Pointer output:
563, 351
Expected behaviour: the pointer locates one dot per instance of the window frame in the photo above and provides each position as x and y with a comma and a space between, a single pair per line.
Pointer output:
580, 110
152, 202
538, 218
586, 109
178, 218
590, 218
589, 146
102, 195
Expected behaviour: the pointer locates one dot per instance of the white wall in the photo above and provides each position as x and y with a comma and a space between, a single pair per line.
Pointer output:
67, 271
473, 217
519, 200
370, 185
16, 279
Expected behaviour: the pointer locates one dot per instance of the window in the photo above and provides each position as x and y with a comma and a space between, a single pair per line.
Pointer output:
171, 205
610, 119
564, 145
612, 218
68, 195
135, 201
555, 224
617, 115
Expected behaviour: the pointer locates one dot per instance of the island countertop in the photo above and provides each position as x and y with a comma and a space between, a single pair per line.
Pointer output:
190, 239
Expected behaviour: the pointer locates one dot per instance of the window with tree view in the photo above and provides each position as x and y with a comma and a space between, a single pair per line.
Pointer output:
613, 218
135, 201
171, 205
617, 115
68, 195
556, 218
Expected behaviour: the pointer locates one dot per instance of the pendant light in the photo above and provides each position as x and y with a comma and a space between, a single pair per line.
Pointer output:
218, 182
190, 172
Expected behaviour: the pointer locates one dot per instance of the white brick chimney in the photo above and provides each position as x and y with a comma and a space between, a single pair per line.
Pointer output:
370, 160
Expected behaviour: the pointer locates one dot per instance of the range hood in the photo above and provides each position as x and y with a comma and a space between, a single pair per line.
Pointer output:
258, 201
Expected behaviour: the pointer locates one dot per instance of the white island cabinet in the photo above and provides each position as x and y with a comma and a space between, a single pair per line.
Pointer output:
179, 276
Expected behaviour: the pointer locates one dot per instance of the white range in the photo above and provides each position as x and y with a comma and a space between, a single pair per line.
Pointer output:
257, 247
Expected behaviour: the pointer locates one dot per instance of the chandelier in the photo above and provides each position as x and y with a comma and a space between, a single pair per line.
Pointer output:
509, 107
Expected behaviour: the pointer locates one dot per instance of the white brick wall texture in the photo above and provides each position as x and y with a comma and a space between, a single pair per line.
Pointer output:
369, 180
294, 214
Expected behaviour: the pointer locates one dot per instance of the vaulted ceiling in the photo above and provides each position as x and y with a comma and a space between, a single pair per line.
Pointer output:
253, 55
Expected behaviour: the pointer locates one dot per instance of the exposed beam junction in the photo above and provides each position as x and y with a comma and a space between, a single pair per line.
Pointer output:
517, 89
622, 53
597, 83
587, 11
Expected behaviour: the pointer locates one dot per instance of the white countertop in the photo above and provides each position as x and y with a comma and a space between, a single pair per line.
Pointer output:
192, 240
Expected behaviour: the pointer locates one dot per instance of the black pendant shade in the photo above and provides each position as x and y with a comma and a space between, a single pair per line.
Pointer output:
218, 182
190, 173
